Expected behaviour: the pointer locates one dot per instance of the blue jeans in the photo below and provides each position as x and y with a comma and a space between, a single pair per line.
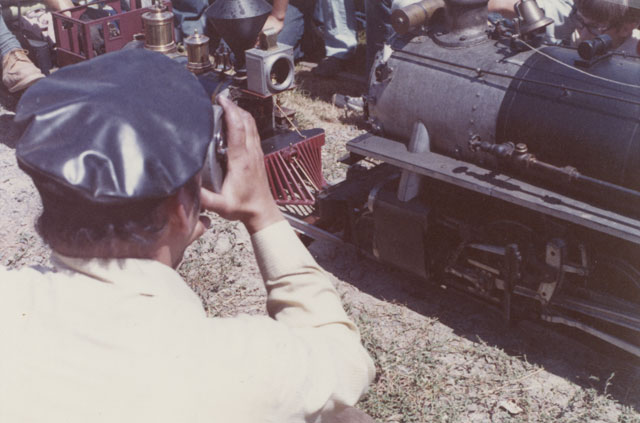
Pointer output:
8, 41
339, 18
185, 17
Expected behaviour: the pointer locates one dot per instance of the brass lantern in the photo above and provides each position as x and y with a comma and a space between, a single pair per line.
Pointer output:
158, 29
198, 52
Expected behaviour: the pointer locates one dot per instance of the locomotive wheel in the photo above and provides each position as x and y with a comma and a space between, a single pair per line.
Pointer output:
617, 277
502, 233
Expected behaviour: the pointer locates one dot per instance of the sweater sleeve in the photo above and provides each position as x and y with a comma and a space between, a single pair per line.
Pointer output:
300, 293
301, 296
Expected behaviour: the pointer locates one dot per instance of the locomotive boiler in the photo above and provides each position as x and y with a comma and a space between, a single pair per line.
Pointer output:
502, 166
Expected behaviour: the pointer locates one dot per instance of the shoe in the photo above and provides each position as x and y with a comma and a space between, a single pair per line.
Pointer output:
18, 72
328, 67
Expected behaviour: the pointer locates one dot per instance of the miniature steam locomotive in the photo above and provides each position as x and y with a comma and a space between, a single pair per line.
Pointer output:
507, 168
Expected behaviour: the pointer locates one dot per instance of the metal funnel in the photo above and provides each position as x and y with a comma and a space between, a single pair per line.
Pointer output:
238, 22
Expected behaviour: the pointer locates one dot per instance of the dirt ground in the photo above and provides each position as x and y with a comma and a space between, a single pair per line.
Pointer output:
440, 356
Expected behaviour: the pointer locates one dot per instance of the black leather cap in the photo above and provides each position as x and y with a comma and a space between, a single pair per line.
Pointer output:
126, 126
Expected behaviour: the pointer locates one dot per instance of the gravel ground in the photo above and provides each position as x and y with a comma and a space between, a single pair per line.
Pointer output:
440, 356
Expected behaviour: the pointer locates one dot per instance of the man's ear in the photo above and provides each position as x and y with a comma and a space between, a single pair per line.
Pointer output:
179, 209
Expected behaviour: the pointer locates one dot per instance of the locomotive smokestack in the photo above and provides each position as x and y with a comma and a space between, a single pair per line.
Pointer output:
238, 22
467, 19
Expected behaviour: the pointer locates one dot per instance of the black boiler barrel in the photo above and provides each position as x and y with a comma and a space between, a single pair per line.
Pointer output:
569, 118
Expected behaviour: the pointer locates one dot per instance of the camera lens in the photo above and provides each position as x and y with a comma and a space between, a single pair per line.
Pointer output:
596, 47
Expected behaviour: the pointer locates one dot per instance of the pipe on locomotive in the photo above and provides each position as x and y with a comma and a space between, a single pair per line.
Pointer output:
405, 18
518, 158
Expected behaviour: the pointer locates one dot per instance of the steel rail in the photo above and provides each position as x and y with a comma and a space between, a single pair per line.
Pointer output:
624, 345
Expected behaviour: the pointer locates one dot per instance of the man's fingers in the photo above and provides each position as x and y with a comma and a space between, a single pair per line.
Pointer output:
234, 114
239, 116
241, 127
245, 191
233, 120
253, 137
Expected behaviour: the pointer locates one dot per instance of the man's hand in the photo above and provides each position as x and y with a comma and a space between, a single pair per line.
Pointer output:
273, 23
245, 193
276, 18
58, 5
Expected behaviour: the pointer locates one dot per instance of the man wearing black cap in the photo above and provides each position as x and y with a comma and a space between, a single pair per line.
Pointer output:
112, 333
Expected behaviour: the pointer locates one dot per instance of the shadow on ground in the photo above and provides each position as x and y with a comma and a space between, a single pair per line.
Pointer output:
7, 101
8, 130
572, 355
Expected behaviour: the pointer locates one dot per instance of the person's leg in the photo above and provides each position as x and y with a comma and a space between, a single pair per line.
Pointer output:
378, 15
8, 41
340, 38
185, 14
293, 29
18, 72
339, 19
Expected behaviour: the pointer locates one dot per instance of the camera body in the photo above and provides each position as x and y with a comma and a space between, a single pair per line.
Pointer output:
591, 49
215, 164
270, 70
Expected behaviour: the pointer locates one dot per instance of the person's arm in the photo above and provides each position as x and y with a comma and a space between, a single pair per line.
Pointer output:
279, 9
276, 18
317, 342
300, 293
58, 5
504, 7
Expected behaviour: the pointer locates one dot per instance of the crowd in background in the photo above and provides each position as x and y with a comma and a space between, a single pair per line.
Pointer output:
328, 29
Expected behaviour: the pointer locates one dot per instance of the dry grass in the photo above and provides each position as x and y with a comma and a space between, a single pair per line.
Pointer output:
440, 357
312, 99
